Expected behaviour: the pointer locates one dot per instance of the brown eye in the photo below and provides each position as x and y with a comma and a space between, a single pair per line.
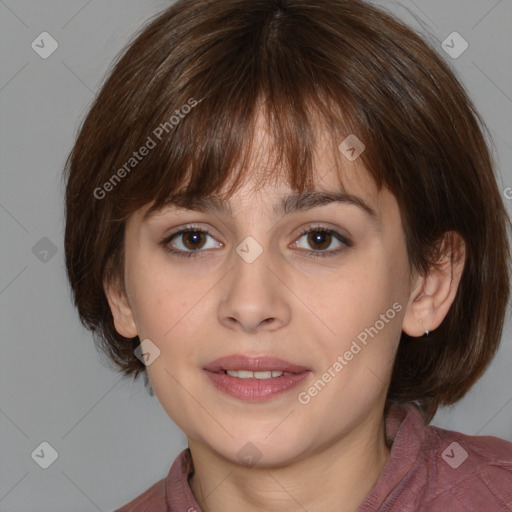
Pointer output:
319, 239
190, 241
193, 239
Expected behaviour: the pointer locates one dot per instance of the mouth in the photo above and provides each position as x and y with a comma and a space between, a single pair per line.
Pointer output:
254, 378
255, 367
262, 375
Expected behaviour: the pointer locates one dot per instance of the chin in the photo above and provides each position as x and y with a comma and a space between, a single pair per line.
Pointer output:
260, 452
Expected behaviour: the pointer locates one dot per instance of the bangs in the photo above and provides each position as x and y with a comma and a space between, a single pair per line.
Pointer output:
178, 119
201, 119
266, 144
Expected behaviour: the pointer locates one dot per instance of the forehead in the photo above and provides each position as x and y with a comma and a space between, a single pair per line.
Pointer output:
336, 179
277, 200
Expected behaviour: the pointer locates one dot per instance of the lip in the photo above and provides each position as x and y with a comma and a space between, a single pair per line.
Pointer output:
254, 390
253, 364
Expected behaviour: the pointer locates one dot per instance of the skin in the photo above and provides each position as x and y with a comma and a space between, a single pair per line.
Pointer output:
327, 454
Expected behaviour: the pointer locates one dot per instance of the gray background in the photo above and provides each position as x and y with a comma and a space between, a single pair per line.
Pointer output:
114, 440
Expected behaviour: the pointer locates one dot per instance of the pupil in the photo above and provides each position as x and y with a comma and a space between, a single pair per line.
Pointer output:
319, 238
195, 237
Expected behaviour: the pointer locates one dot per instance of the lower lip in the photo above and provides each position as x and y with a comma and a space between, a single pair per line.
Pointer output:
255, 390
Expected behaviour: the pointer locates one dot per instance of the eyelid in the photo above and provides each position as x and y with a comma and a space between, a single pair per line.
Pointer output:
317, 226
334, 232
187, 228
304, 231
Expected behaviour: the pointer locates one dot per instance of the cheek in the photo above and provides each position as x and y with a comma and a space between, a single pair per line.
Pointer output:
159, 295
155, 310
363, 313
170, 305
153, 303
355, 299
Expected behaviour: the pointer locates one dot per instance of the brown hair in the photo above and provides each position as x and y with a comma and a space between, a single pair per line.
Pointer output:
354, 67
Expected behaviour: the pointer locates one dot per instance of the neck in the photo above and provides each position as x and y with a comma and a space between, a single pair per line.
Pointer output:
335, 477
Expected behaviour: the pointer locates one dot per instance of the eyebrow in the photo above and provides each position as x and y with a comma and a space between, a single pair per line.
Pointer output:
292, 203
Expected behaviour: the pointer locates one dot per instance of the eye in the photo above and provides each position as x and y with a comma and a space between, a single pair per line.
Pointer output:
191, 241
320, 239
188, 241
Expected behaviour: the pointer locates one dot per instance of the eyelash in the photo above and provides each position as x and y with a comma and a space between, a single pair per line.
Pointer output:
312, 254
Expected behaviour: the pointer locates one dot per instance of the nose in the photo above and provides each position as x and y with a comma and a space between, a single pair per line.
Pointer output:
254, 297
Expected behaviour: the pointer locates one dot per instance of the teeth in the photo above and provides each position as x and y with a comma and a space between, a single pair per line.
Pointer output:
245, 374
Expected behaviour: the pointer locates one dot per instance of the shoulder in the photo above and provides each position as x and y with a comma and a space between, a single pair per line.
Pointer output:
473, 471
148, 501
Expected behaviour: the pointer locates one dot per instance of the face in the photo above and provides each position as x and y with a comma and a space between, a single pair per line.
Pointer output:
320, 290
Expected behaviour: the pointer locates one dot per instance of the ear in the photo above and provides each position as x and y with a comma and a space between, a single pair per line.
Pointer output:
121, 310
433, 294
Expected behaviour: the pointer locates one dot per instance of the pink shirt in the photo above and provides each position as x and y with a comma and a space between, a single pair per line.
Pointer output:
429, 470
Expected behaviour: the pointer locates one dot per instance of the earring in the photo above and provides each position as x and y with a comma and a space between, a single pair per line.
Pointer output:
426, 332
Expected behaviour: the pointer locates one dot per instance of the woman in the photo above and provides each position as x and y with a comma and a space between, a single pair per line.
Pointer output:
284, 215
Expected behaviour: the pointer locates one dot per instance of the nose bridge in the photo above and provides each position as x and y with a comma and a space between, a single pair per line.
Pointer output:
251, 261
252, 296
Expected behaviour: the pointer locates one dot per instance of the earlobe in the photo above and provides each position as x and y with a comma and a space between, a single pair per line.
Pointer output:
121, 310
433, 294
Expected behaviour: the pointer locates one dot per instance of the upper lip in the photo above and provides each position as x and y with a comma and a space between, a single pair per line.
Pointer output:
253, 364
